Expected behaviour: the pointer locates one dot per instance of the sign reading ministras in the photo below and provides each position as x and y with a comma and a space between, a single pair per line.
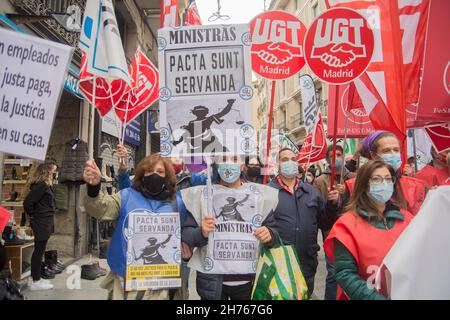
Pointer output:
153, 250
233, 249
32, 75
205, 90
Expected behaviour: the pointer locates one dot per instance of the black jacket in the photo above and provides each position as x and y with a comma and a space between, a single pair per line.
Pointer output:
297, 220
39, 204
209, 286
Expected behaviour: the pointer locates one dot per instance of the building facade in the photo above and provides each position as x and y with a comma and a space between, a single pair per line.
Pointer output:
287, 115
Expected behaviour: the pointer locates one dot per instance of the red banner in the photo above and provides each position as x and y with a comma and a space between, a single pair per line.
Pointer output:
434, 103
359, 124
5, 215
314, 149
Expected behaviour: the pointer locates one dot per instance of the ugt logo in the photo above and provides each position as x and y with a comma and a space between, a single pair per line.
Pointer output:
339, 45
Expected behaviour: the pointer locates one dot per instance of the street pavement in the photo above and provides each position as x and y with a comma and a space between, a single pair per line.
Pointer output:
90, 289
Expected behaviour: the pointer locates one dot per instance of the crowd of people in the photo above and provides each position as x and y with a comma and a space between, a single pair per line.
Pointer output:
359, 217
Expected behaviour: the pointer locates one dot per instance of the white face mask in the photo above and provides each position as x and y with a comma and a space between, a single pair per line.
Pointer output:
309, 179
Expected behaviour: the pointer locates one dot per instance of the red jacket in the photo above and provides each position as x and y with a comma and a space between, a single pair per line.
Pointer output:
413, 192
432, 176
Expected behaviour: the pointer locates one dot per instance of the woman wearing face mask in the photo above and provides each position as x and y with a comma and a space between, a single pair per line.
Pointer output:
39, 204
234, 193
360, 239
253, 170
384, 145
154, 189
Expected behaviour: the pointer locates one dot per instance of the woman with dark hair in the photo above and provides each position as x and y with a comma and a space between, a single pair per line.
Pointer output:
39, 204
153, 189
253, 170
384, 145
361, 238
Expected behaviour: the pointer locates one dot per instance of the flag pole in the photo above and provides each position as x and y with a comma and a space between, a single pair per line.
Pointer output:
269, 132
333, 160
341, 180
415, 149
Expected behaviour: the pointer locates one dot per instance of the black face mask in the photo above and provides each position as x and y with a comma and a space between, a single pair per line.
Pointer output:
154, 187
253, 171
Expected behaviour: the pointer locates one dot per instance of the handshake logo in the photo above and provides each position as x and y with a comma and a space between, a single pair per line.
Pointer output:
276, 53
337, 42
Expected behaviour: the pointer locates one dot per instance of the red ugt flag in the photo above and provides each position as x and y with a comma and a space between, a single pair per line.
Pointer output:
192, 16
315, 147
144, 89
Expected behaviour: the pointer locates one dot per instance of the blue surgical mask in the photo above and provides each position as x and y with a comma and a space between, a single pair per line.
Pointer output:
339, 162
289, 169
229, 172
393, 159
381, 193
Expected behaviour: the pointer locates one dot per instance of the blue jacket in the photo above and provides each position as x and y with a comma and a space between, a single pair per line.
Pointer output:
297, 219
132, 200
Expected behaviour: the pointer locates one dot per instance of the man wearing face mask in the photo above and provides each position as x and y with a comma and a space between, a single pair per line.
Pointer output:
200, 223
153, 189
385, 146
436, 172
300, 212
323, 184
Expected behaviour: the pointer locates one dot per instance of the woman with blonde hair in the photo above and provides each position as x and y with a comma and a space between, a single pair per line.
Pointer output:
153, 189
39, 204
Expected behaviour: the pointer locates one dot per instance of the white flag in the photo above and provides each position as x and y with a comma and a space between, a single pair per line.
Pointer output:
419, 262
309, 102
100, 40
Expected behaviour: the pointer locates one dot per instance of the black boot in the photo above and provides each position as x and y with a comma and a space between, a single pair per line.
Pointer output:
51, 256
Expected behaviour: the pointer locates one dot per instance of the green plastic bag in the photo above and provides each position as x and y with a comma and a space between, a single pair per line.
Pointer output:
278, 275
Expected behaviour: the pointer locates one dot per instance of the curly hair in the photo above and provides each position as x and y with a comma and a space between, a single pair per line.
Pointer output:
148, 164
43, 172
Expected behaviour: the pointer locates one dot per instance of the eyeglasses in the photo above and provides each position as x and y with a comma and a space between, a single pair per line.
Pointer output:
380, 179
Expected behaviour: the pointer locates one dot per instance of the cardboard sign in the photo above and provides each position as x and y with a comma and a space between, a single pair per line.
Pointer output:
277, 44
32, 75
339, 45
153, 250
205, 90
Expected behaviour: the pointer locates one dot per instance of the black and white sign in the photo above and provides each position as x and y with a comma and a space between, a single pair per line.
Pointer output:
205, 90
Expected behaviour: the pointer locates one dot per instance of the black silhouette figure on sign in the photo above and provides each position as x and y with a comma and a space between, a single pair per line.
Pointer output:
151, 254
198, 134
229, 211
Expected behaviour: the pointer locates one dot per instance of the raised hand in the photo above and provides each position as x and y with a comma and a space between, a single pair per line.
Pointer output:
91, 173
122, 154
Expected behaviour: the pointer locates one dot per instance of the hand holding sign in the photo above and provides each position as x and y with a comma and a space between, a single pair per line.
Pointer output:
263, 234
208, 226
92, 174
122, 154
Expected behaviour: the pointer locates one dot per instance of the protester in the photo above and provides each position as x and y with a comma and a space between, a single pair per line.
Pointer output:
153, 189
301, 172
253, 170
352, 163
360, 239
184, 180
436, 172
323, 183
39, 204
199, 223
301, 210
310, 175
384, 145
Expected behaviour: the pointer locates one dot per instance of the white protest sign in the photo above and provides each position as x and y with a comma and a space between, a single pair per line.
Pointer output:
234, 248
205, 90
309, 102
153, 250
32, 74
